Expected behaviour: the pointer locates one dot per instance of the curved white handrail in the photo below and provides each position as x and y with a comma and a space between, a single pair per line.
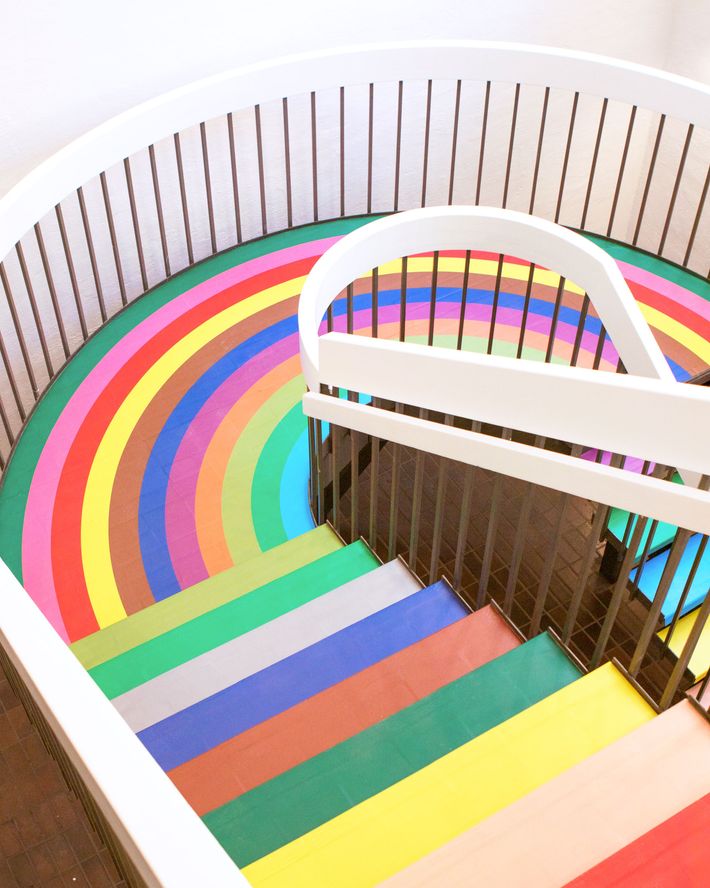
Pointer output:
123, 135
492, 230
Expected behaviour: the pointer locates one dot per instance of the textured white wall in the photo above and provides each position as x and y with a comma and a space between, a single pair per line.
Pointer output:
64, 67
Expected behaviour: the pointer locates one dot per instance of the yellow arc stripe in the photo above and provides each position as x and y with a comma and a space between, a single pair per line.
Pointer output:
693, 341
95, 547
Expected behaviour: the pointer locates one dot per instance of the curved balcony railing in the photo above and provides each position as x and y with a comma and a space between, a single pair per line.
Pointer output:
594, 144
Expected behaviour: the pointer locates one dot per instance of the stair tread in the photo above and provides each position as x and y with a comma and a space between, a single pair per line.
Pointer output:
171, 612
391, 830
272, 643
240, 615
584, 814
323, 787
700, 660
674, 853
343, 710
653, 571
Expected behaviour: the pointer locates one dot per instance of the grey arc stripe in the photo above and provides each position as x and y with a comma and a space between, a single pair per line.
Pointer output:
241, 657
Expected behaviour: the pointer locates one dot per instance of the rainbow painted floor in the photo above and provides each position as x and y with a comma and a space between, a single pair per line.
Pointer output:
173, 446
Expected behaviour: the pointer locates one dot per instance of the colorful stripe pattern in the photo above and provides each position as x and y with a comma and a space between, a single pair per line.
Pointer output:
173, 447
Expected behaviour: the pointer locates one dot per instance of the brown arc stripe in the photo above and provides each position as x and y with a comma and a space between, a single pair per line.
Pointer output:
126, 556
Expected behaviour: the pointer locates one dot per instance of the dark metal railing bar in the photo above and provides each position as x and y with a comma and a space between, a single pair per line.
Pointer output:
432, 298
526, 310
538, 155
543, 589
72, 271
427, 132
320, 463
646, 551
464, 297
597, 528
494, 307
622, 168
441, 483
518, 545
681, 665
52, 290
649, 177
208, 186
374, 489
463, 528
398, 145
18, 331
159, 210
370, 137
593, 168
6, 425
335, 474
491, 533
511, 144
287, 163
12, 380
349, 308
314, 156
375, 313
134, 220
565, 161
394, 497
342, 150
584, 311
35, 310
260, 162
696, 221
417, 492
183, 199
312, 467
454, 142
482, 148
554, 320
235, 181
686, 591
600, 348
329, 318
676, 186
403, 300
618, 592
649, 626
92, 254
354, 486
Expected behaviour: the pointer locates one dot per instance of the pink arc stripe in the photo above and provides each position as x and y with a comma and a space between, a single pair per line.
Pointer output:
38, 578
672, 291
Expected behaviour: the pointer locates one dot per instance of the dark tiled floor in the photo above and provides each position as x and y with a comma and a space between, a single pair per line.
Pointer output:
46, 840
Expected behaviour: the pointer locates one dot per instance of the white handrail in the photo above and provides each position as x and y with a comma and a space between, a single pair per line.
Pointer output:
163, 837
123, 135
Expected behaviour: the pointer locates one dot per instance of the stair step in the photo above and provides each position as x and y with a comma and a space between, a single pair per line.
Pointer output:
240, 615
700, 660
264, 694
164, 615
343, 710
653, 571
305, 797
674, 853
186, 694
391, 830
582, 816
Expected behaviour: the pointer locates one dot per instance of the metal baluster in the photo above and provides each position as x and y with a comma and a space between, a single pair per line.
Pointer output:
34, 309
370, 133
183, 199
511, 144
403, 301
454, 141
565, 161
6, 425
92, 254
349, 308
482, 149
555, 318
649, 177
159, 210
374, 488
335, 475
432, 298
538, 154
526, 310
417, 492
287, 163
134, 220
52, 290
593, 168
314, 156
580, 331
208, 186
622, 168
463, 528
464, 297
320, 467
686, 591
342, 150
427, 129
601, 339
398, 146
375, 301
312, 479
394, 498
72, 272
260, 161
354, 486
443, 465
18, 331
681, 665
11, 378
494, 307
597, 528
676, 186
491, 533
696, 221
235, 182
548, 570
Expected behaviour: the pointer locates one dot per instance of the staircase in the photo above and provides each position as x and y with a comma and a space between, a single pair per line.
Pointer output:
335, 723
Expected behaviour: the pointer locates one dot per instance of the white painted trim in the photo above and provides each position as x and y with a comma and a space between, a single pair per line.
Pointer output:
123, 135
674, 503
491, 230
167, 842
661, 421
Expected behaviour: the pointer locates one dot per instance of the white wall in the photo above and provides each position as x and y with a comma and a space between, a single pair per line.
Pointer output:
64, 67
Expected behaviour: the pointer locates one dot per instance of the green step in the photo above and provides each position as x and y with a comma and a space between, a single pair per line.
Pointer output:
204, 596
297, 801
222, 624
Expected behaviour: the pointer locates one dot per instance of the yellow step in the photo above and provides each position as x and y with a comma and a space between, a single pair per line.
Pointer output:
393, 829
700, 660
